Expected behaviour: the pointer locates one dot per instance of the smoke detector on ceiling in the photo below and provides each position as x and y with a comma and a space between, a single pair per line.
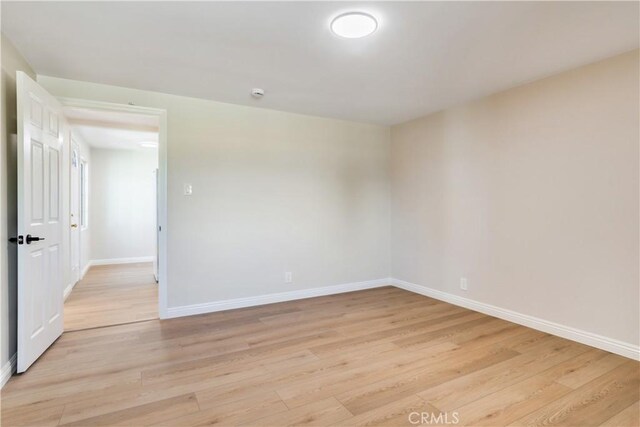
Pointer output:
257, 92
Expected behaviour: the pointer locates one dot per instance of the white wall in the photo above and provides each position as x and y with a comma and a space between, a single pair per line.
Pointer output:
122, 204
272, 192
532, 194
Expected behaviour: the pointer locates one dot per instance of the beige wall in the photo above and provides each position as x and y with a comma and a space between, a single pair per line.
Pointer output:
122, 200
532, 194
12, 61
272, 192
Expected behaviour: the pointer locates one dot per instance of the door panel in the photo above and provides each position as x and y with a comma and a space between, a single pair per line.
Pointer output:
36, 264
54, 185
40, 142
37, 183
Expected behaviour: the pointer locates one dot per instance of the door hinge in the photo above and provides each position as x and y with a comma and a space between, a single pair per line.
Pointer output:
19, 240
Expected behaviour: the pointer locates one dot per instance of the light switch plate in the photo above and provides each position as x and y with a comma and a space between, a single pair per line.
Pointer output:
188, 190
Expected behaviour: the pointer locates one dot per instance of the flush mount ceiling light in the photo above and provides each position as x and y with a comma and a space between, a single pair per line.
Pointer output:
353, 25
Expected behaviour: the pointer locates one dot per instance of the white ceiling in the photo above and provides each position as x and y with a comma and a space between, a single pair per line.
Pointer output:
425, 56
113, 130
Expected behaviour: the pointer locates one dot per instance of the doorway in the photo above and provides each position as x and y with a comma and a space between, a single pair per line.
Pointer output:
47, 269
113, 217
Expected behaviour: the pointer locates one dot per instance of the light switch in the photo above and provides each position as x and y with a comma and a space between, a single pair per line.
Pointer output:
188, 190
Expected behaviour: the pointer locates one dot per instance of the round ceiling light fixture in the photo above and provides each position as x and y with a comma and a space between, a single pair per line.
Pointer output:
353, 25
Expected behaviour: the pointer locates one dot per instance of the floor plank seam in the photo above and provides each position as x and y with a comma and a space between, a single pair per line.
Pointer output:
64, 408
282, 399
111, 326
615, 415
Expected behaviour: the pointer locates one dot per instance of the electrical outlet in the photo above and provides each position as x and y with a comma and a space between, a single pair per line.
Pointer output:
288, 277
463, 283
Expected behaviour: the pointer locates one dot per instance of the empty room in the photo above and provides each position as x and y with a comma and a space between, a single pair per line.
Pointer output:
320, 213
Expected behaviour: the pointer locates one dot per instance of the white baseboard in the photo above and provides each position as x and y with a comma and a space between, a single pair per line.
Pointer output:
230, 304
67, 290
70, 286
612, 345
110, 261
7, 370
85, 269
608, 344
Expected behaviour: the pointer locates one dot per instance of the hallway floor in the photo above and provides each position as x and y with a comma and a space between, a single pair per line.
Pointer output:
112, 295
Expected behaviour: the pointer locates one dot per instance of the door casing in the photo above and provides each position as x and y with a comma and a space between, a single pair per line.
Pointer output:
162, 228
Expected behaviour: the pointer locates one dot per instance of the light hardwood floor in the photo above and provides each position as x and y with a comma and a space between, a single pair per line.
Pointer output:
112, 295
364, 358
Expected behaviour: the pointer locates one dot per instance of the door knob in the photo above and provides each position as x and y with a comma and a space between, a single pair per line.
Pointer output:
74, 225
19, 240
31, 238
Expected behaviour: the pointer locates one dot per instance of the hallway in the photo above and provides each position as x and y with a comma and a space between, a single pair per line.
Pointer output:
112, 295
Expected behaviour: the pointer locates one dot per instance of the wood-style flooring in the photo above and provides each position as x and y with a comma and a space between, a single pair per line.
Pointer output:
377, 357
112, 295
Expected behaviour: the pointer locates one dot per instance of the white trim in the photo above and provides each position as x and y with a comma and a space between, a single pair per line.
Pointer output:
68, 289
110, 261
163, 284
85, 269
609, 344
108, 106
7, 370
210, 307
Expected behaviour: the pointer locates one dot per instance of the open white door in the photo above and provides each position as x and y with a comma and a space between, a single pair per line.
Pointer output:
40, 143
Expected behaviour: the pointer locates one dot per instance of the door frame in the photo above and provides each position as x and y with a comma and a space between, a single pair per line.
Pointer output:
161, 198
